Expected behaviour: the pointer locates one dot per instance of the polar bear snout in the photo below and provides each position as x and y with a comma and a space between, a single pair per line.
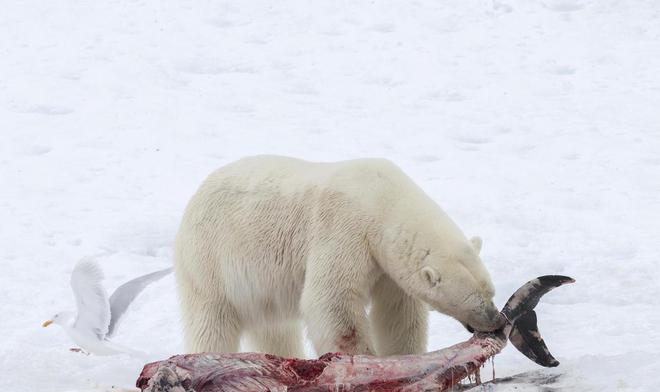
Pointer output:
489, 320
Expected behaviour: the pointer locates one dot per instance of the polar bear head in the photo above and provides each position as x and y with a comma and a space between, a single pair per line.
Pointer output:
455, 282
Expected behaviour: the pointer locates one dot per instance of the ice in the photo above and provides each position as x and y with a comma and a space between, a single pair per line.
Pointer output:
534, 124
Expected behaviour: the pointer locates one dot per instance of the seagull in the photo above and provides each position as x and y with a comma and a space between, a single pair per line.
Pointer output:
98, 316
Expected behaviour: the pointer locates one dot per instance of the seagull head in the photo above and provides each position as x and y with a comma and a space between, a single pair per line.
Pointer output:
61, 318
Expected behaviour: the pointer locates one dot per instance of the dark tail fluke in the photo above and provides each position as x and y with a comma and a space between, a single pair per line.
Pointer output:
519, 310
526, 338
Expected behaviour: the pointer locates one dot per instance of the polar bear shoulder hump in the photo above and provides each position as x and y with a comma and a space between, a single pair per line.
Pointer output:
298, 173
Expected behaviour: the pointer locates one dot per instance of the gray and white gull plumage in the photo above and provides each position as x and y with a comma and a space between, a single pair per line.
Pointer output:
98, 316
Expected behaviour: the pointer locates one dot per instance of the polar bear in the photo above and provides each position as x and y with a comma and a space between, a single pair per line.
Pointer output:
267, 241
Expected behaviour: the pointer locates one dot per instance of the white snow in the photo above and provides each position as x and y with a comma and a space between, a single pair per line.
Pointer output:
535, 124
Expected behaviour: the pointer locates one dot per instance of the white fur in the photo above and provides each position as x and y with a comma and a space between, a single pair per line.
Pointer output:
267, 241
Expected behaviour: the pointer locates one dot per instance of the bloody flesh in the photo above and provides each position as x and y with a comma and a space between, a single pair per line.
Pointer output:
438, 370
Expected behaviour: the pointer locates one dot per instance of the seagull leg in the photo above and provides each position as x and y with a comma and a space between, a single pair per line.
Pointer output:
78, 350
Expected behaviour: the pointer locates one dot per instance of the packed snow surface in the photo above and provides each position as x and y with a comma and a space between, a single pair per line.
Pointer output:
534, 124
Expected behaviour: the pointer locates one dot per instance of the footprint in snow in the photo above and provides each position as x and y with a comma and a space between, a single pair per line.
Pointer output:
383, 28
502, 7
384, 81
563, 5
652, 161
571, 156
37, 150
562, 70
50, 110
317, 131
446, 96
211, 68
427, 158
472, 139
303, 89
239, 109
75, 242
220, 23
468, 147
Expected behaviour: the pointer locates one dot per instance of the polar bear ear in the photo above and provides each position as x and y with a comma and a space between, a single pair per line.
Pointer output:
476, 243
430, 275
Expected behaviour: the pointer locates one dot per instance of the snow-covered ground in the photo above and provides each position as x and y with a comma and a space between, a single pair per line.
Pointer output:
535, 124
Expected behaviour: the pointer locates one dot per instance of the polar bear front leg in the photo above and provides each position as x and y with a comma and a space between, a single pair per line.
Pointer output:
398, 321
336, 323
283, 339
333, 308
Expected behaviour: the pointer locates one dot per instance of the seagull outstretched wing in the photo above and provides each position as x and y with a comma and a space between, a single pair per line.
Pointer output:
91, 298
126, 293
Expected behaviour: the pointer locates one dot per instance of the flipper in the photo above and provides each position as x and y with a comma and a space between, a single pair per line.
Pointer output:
519, 311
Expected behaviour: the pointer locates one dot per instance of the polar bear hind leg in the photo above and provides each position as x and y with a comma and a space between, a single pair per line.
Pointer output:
398, 321
209, 325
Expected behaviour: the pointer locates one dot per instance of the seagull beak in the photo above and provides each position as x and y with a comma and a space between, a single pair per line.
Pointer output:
47, 323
